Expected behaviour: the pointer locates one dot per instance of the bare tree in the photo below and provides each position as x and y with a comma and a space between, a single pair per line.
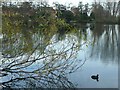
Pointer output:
104, 11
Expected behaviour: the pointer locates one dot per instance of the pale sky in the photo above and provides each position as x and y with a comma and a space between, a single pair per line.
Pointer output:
64, 2
74, 2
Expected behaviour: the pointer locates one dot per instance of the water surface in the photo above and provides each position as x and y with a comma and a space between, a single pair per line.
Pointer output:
89, 50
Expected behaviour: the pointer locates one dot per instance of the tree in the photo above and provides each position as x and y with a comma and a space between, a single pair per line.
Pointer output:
118, 19
29, 55
63, 13
106, 9
92, 16
80, 6
47, 65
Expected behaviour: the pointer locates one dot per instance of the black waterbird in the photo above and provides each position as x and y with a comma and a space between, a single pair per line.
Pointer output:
95, 77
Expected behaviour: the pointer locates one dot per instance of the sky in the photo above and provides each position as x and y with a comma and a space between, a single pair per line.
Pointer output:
64, 2
74, 2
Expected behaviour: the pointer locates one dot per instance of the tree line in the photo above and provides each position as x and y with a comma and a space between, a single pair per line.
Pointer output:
106, 12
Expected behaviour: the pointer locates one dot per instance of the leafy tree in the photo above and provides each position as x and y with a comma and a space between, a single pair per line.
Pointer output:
67, 16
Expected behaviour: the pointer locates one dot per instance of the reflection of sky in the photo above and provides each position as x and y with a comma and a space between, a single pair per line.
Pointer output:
108, 75
108, 71
99, 63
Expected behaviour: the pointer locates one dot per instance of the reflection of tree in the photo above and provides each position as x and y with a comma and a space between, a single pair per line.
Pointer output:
81, 32
48, 68
106, 46
118, 42
32, 58
98, 30
30, 55
20, 29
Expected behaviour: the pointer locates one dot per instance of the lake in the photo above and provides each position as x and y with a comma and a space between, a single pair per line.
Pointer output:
61, 58
102, 59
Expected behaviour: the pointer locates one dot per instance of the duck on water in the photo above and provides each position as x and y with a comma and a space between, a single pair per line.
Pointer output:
95, 77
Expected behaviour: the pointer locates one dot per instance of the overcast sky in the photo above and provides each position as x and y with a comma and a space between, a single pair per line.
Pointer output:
65, 2
74, 2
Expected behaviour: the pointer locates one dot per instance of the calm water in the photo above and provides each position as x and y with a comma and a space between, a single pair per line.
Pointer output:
96, 51
102, 58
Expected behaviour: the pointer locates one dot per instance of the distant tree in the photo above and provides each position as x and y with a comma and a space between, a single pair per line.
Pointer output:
113, 8
106, 12
63, 13
67, 15
92, 16
60, 8
80, 6
82, 16
119, 19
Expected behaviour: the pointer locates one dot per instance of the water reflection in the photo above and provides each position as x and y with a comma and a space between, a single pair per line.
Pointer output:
106, 39
38, 59
44, 58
